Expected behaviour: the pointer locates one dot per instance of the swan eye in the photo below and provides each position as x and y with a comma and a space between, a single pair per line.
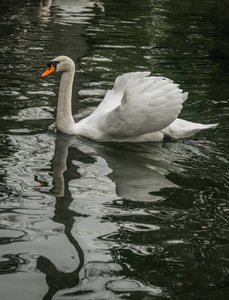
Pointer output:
54, 63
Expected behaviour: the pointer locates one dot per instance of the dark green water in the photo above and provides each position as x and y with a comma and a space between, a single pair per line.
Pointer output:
83, 220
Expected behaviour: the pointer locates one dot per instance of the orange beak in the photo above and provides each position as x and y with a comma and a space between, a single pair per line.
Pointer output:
50, 70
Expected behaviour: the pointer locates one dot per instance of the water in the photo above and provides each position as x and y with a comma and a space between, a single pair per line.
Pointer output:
84, 220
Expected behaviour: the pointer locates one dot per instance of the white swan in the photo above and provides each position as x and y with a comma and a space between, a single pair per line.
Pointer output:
139, 108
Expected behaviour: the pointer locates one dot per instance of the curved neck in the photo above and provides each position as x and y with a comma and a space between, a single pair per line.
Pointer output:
64, 118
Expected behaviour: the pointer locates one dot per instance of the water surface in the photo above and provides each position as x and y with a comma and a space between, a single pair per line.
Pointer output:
85, 220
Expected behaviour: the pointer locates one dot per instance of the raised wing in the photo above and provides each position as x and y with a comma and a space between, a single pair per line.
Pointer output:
113, 97
149, 104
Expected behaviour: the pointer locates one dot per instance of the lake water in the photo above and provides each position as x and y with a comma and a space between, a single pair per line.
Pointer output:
86, 220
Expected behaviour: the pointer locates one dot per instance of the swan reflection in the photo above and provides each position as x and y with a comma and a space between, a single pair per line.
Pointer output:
86, 177
44, 10
69, 11
135, 176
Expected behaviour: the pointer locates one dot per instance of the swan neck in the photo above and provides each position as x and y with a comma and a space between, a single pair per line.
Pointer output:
64, 118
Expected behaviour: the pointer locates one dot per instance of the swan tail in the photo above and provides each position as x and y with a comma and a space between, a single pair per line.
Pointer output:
183, 129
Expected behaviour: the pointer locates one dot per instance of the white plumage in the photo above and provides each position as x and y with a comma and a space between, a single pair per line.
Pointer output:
139, 108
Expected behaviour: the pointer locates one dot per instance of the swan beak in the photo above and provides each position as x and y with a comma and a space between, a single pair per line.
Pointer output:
50, 70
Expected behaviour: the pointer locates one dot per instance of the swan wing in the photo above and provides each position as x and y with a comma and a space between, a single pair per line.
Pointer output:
114, 96
148, 104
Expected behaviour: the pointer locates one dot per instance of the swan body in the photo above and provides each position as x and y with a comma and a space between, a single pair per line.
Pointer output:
139, 108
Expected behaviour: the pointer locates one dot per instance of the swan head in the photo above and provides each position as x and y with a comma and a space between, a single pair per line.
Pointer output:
60, 63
